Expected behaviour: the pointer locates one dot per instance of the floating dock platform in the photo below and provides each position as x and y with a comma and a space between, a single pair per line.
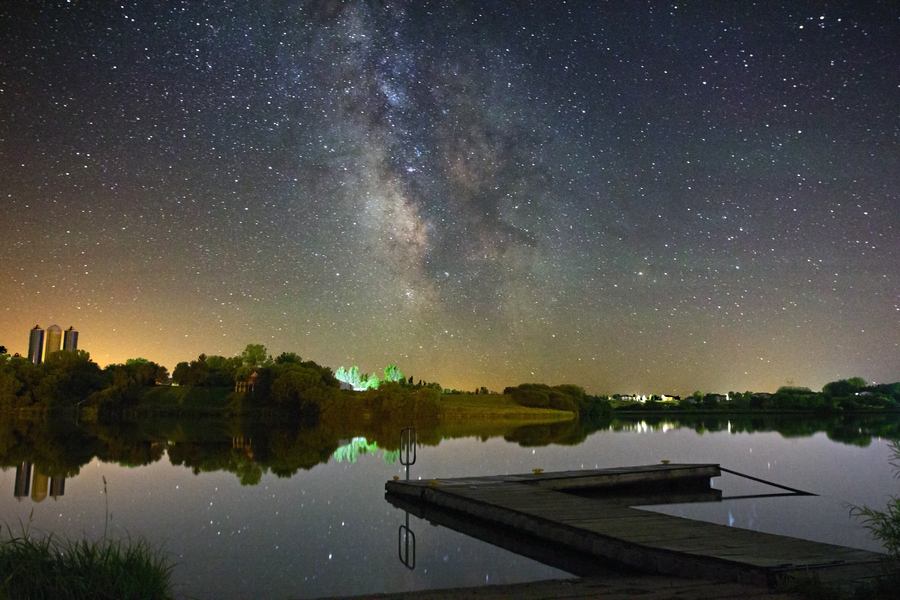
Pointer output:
589, 514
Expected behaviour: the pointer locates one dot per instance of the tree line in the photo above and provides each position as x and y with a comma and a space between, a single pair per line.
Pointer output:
303, 387
568, 397
252, 381
848, 395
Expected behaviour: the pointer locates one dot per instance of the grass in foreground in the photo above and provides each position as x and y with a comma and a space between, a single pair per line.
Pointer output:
885, 527
810, 588
66, 570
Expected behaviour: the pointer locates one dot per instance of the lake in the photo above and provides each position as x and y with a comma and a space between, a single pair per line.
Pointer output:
271, 510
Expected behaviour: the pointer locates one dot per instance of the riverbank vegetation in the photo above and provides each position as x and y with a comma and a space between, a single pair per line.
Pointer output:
254, 382
884, 526
50, 567
845, 395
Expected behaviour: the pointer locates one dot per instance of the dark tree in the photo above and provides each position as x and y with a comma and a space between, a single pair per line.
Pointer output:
288, 357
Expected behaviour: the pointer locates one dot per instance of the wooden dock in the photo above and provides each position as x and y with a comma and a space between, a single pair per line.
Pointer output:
589, 514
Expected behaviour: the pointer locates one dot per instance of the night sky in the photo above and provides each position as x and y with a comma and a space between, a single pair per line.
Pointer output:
638, 197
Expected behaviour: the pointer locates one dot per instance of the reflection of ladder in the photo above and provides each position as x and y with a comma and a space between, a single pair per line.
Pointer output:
406, 545
406, 539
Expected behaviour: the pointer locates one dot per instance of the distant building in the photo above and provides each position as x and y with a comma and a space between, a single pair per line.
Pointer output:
70, 340
246, 386
36, 345
53, 341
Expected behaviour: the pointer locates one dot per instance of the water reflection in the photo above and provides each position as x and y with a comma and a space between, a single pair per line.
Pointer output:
58, 449
361, 446
406, 537
39, 484
266, 509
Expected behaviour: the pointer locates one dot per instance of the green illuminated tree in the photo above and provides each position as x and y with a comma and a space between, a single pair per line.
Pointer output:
352, 377
359, 382
392, 373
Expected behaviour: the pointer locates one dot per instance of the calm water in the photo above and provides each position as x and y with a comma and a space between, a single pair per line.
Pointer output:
327, 530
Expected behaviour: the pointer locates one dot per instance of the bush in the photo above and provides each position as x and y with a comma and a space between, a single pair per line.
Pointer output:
561, 401
884, 525
565, 397
530, 398
65, 570
595, 406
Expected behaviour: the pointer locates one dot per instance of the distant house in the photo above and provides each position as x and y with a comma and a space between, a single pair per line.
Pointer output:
246, 386
632, 398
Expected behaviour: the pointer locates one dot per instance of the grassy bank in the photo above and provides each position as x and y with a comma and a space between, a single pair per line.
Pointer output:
495, 406
65, 570
215, 400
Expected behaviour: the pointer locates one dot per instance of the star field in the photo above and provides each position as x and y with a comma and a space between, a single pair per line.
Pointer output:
644, 198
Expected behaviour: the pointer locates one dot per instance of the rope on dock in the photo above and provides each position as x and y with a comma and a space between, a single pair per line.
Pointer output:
778, 485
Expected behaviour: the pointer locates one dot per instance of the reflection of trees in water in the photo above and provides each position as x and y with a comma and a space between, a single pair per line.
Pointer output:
567, 433
354, 448
250, 448
58, 448
361, 445
855, 429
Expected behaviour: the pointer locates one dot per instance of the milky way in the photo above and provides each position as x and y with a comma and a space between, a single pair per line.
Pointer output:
645, 197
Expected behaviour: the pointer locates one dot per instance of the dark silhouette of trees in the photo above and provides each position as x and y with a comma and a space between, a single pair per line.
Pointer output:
61, 381
288, 357
538, 395
844, 387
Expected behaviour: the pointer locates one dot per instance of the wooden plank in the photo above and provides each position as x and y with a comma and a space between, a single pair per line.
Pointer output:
535, 505
608, 478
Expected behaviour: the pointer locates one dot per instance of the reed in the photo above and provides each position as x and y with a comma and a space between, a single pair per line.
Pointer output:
885, 524
51, 567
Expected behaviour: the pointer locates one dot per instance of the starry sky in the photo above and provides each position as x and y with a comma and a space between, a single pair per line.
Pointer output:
643, 197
